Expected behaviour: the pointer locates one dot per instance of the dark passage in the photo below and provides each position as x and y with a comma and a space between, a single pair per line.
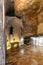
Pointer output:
11, 30
10, 12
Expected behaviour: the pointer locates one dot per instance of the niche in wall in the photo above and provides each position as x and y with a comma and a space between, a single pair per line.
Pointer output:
11, 30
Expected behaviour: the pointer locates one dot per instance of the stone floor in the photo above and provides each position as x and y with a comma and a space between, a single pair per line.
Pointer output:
25, 55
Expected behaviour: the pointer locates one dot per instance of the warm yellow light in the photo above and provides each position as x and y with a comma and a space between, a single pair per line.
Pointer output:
11, 40
22, 4
8, 45
15, 45
22, 0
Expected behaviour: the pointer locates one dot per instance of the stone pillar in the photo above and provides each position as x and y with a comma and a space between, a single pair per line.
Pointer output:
2, 41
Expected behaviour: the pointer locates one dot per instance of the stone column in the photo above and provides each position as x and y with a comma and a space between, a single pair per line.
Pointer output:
2, 41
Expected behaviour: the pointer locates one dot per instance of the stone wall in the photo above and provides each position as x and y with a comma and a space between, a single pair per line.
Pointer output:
2, 42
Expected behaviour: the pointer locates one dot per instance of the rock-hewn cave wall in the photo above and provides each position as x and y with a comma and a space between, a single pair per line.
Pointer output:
40, 23
29, 25
33, 24
23, 7
32, 13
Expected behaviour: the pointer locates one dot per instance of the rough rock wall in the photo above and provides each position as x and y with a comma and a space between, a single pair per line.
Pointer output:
33, 24
23, 7
32, 13
2, 41
40, 23
29, 25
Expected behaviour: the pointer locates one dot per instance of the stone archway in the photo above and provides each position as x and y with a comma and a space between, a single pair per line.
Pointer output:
17, 25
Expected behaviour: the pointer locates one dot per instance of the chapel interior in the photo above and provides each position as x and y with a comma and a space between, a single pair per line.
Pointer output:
24, 32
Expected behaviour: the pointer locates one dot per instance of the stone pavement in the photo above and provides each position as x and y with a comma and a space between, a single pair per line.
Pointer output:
26, 55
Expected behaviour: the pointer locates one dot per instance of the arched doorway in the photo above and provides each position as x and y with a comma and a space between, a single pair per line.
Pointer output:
13, 31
